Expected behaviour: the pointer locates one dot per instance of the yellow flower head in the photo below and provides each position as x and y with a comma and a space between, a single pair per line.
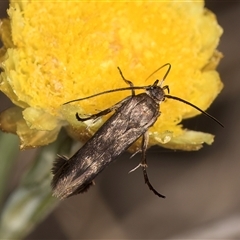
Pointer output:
57, 51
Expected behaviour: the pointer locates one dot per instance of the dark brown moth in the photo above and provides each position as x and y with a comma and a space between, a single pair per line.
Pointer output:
133, 116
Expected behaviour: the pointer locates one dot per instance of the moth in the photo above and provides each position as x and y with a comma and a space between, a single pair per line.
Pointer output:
131, 120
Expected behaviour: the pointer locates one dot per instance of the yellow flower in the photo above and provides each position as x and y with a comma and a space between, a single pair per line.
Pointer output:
59, 51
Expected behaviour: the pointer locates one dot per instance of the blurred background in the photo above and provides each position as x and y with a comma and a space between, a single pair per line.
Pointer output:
202, 188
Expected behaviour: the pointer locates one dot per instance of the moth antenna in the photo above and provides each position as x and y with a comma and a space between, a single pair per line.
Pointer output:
166, 74
98, 94
194, 106
108, 91
132, 88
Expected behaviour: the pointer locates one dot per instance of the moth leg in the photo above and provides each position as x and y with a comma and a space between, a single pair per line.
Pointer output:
138, 151
143, 164
167, 88
127, 81
94, 116
103, 112
139, 165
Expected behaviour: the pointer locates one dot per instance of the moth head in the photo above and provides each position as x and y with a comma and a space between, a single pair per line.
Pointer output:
156, 92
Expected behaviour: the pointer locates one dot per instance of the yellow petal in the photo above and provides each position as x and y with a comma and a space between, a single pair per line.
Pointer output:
9, 119
65, 50
39, 120
31, 138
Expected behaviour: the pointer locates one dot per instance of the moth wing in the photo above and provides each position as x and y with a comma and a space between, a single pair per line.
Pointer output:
60, 166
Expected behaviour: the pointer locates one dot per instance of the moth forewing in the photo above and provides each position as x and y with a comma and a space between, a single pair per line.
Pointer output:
130, 121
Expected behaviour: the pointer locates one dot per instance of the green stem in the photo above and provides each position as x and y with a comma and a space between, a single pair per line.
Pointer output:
8, 151
32, 201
